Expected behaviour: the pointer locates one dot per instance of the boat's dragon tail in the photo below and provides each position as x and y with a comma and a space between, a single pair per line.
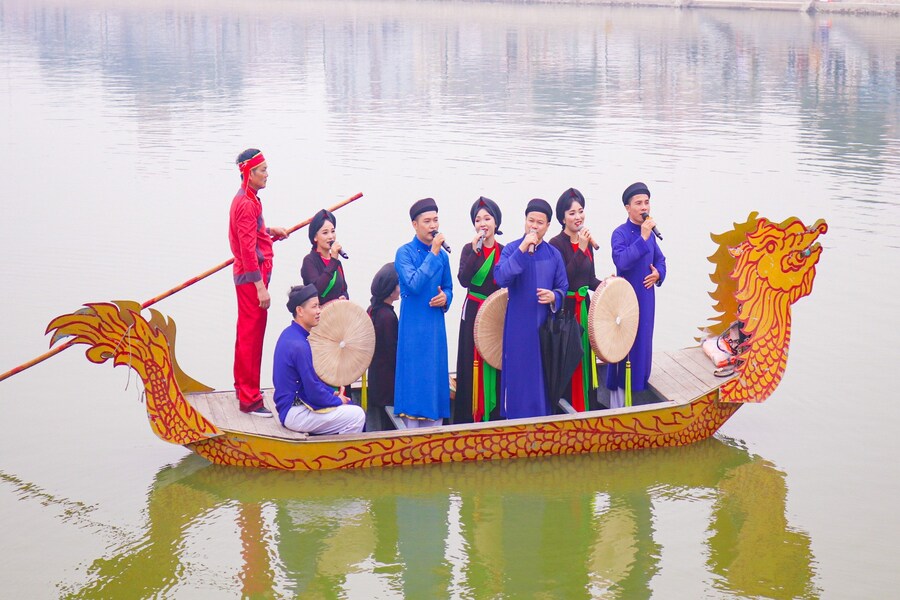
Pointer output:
119, 331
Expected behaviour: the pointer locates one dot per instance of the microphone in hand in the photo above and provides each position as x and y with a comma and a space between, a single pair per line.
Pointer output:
444, 244
480, 243
591, 241
531, 247
341, 251
655, 231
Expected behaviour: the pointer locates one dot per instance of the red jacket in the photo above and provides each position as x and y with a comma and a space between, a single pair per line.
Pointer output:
250, 241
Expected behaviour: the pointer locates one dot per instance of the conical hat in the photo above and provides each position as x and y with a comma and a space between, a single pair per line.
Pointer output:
489, 324
342, 343
613, 319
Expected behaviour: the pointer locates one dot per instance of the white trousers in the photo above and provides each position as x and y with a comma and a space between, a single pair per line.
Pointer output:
346, 418
617, 398
416, 423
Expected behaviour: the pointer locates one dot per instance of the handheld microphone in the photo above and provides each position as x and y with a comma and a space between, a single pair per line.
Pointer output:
594, 244
655, 232
444, 244
531, 247
480, 243
341, 252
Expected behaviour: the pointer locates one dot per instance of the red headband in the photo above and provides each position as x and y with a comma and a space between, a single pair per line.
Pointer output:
245, 167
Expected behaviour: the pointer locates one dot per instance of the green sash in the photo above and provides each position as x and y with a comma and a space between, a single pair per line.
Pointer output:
484, 271
330, 283
589, 362
487, 377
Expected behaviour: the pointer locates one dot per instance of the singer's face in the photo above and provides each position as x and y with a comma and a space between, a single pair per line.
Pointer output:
538, 222
638, 205
485, 222
325, 236
425, 225
573, 218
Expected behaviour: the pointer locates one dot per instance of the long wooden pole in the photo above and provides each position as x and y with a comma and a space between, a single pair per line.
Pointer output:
166, 294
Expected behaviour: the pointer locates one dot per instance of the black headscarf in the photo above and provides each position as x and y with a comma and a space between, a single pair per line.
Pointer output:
317, 221
539, 205
383, 285
491, 207
421, 206
565, 203
633, 190
298, 295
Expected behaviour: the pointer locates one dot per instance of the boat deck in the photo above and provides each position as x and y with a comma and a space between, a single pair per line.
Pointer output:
221, 409
683, 375
679, 376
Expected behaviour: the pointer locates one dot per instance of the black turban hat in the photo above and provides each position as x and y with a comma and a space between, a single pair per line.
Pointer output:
318, 220
384, 284
565, 202
300, 294
633, 190
541, 206
491, 207
421, 206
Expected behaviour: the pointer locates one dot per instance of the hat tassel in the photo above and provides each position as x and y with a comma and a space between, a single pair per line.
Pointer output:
627, 383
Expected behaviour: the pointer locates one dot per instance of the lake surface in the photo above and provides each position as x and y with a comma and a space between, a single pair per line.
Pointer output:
119, 125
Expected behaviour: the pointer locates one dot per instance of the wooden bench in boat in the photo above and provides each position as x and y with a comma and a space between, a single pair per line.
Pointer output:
679, 376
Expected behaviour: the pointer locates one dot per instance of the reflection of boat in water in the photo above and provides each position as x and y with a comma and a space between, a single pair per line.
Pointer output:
761, 269
569, 526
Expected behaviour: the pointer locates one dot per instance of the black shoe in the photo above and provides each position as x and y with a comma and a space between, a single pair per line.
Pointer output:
262, 412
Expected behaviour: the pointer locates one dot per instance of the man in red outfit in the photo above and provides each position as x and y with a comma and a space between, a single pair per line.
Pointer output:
251, 245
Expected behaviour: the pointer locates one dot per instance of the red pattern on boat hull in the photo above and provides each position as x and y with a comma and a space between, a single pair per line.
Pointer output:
653, 426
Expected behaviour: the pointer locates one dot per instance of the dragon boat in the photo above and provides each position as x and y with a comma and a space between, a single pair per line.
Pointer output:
761, 269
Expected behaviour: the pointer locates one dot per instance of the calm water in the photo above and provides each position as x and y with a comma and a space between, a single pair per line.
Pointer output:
119, 124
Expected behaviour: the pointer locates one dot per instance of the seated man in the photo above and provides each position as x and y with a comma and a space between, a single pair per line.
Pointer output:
304, 403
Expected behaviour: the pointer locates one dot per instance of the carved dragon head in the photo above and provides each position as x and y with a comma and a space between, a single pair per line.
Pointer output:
778, 256
759, 259
769, 266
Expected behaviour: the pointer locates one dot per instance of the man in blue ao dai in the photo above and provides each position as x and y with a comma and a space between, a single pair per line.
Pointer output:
535, 276
639, 260
422, 383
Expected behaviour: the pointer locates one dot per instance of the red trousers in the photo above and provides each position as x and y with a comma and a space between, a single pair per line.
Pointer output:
248, 344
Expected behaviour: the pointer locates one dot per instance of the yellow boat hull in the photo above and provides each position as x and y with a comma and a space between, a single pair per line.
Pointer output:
651, 426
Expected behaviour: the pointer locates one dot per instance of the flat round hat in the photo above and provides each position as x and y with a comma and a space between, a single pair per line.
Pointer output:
343, 342
489, 324
613, 319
